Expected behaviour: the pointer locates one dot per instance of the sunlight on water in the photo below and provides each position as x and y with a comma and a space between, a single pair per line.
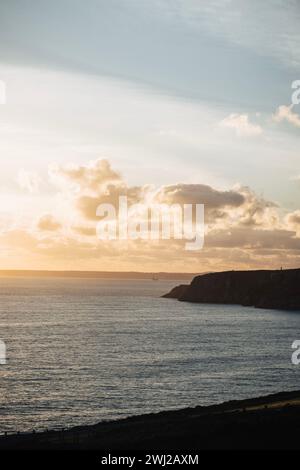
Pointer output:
83, 350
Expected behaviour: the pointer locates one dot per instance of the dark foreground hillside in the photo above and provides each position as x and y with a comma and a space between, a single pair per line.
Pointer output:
271, 422
278, 289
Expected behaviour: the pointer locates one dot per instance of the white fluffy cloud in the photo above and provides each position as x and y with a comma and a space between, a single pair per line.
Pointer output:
286, 113
242, 126
242, 229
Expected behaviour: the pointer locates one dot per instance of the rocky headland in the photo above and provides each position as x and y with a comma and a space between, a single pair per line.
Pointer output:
273, 289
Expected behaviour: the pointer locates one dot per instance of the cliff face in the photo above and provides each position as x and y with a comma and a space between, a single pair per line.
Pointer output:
261, 289
177, 292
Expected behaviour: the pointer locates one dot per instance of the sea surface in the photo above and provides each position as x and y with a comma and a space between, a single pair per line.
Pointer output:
85, 350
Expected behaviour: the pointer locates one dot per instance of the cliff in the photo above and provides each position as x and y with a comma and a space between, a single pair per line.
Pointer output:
262, 289
177, 292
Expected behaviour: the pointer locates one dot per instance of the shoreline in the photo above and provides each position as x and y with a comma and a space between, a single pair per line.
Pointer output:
268, 289
265, 422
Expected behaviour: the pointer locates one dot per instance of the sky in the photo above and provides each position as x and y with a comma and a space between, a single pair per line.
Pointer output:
169, 101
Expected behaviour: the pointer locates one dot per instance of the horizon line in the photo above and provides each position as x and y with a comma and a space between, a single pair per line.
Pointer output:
91, 273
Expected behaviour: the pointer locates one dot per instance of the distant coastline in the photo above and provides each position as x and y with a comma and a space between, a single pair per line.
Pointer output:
96, 274
270, 289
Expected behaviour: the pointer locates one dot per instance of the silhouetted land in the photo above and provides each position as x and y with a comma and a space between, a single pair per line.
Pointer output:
277, 289
270, 422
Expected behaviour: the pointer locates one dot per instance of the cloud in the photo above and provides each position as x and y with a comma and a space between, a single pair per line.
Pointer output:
48, 223
97, 183
198, 194
285, 113
92, 177
265, 28
237, 206
293, 220
294, 217
256, 211
28, 181
243, 229
249, 239
241, 125
87, 231
87, 205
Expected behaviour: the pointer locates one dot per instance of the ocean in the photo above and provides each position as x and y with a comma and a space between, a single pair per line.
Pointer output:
80, 351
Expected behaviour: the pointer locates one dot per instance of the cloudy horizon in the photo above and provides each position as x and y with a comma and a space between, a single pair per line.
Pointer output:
173, 102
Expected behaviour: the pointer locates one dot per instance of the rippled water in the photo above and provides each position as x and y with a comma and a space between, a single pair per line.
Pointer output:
84, 350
